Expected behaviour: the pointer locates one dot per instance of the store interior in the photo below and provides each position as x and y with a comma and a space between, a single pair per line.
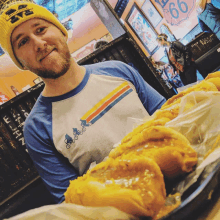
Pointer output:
85, 28
89, 41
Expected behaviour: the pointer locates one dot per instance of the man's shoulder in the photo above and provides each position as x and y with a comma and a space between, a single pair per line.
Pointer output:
110, 64
38, 114
110, 68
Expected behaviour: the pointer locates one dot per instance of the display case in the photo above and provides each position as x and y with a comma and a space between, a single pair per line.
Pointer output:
206, 52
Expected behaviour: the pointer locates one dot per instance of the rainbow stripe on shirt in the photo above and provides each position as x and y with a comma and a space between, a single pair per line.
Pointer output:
106, 104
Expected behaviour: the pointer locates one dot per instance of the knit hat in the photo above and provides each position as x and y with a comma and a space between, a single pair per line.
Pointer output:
14, 14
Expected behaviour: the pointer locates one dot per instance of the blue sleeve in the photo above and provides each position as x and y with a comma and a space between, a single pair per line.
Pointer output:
54, 169
149, 97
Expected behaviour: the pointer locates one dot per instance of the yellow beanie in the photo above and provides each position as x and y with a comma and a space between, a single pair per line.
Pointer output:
17, 13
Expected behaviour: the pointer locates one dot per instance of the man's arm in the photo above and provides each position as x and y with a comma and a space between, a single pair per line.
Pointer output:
54, 169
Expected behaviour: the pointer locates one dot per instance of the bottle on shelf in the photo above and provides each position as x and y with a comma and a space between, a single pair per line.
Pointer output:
15, 90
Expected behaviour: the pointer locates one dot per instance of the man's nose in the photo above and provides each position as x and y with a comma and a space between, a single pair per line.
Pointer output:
39, 43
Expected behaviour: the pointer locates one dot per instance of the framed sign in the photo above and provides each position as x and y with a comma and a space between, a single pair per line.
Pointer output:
151, 12
176, 11
142, 28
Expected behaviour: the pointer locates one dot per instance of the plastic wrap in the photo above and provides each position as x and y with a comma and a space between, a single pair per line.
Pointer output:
198, 120
74, 212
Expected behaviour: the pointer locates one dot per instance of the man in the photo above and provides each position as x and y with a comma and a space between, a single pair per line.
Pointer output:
180, 58
83, 110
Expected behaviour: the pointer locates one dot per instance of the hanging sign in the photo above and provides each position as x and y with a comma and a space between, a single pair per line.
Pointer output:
176, 11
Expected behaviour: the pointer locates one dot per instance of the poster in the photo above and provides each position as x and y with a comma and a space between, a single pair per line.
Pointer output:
151, 13
142, 28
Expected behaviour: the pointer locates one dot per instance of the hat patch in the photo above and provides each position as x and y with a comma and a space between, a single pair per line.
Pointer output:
14, 15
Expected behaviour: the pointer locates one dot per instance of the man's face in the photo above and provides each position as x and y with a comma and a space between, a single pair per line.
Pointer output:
161, 42
41, 48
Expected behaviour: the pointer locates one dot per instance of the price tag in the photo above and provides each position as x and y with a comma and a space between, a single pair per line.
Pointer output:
176, 11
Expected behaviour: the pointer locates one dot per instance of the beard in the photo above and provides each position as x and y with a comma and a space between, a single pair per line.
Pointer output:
64, 65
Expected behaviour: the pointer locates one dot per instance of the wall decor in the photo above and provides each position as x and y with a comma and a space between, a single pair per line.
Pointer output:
151, 13
143, 29
176, 11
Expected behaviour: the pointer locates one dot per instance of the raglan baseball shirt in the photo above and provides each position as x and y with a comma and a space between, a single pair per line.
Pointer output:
65, 134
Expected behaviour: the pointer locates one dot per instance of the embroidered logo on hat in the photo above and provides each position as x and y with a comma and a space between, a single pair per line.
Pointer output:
14, 15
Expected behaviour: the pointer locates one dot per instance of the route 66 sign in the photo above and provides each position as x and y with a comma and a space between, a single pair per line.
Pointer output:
176, 11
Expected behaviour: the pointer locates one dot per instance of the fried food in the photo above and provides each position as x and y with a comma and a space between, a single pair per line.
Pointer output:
215, 81
213, 75
135, 186
172, 161
140, 128
169, 206
132, 178
167, 113
167, 147
160, 134
202, 86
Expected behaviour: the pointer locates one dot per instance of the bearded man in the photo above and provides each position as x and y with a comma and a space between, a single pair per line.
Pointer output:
82, 111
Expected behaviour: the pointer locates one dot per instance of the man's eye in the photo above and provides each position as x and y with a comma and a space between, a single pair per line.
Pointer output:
39, 30
22, 42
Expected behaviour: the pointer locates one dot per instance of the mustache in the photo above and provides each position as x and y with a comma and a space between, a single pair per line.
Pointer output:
42, 54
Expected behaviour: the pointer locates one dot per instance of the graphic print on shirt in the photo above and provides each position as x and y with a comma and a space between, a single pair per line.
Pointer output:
98, 111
